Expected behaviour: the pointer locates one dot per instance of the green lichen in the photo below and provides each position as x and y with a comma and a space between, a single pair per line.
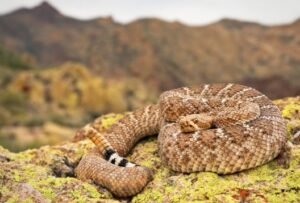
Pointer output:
24, 156
270, 183
110, 119
50, 187
13, 199
192, 187
76, 190
291, 111
149, 148
290, 108
7, 194
5, 154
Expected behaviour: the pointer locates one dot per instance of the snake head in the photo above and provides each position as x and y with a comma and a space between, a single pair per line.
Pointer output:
194, 122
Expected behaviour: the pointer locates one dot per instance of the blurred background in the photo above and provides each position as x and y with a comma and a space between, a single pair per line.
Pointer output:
64, 63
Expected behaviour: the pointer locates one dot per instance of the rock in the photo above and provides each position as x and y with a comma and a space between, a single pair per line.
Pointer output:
290, 108
45, 174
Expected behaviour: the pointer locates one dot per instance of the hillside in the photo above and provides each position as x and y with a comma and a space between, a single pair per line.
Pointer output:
69, 94
162, 54
39, 107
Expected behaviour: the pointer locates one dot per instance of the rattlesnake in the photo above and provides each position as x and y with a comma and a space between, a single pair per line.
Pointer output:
222, 128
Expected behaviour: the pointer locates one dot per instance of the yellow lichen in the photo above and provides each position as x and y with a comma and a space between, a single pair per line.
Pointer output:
109, 119
290, 108
291, 111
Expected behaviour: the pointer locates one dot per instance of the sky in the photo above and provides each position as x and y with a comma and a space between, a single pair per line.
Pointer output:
192, 12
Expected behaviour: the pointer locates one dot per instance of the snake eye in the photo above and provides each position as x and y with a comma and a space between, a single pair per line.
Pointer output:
213, 125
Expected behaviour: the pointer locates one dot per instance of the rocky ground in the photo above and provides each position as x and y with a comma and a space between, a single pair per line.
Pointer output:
46, 174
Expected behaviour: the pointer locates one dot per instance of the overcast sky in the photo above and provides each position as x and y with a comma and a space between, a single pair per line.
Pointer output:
193, 12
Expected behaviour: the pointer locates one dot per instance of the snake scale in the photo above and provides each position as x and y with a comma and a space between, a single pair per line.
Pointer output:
222, 128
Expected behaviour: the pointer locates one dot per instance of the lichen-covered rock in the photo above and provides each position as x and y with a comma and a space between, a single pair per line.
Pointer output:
290, 108
46, 175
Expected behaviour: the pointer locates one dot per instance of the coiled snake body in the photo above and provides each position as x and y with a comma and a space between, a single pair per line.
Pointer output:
223, 128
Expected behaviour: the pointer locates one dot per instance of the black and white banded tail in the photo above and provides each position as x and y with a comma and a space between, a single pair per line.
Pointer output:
113, 157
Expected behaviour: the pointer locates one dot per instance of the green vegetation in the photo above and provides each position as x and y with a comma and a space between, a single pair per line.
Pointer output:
12, 105
12, 99
12, 61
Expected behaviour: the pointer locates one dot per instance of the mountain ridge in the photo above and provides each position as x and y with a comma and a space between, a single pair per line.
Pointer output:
49, 9
42, 7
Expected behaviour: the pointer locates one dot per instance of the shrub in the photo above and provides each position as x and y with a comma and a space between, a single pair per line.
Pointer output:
12, 60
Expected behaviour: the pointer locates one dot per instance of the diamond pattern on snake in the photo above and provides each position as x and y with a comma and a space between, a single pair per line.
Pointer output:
222, 128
